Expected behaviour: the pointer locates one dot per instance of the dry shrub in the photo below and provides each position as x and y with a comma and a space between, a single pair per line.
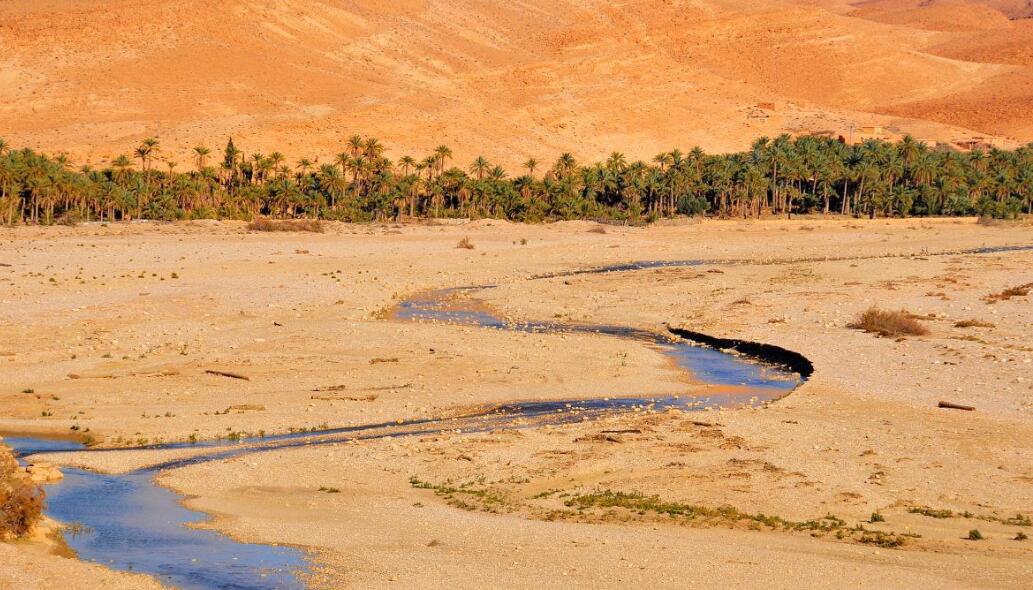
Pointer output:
597, 230
973, 324
21, 500
1019, 291
465, 244
309, 225
69, 219
889, 323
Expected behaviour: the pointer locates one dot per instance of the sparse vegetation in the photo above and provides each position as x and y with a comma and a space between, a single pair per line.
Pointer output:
1017, 520
284, 225
69, 219
930, 512
641, 504
466, 496
21, 500
889, 323
1020, 536
1010, 292
601, 504
973, 324
975, 535
382, 360
465, 244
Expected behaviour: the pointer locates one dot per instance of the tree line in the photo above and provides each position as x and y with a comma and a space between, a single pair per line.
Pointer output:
781, 176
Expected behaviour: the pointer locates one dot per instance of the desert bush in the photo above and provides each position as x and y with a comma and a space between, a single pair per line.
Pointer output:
888, 323
597, 230
300, 225
1017, 291
973, 324
465, 244
21, 500
975, 535
69, 219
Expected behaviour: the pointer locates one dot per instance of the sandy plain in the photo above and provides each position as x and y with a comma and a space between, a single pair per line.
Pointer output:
113, 327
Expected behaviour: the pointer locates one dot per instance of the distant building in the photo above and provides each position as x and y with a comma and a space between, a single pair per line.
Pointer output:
973, 143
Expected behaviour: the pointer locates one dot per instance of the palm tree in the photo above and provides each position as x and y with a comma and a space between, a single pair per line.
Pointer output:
429, 164
616, 162
122, 164
442, 152
276, 160
407, 163
257, 168
333, 182
343, 160
663, 160
201, 153
531, 164
479, 167
373, 149
147, 150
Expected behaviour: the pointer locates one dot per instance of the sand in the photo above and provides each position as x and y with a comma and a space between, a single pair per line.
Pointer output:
94, 322
507, 82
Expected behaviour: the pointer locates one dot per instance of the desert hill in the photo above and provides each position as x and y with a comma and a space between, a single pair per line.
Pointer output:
506, 80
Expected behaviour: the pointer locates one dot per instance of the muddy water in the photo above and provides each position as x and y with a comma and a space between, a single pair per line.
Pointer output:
128, 522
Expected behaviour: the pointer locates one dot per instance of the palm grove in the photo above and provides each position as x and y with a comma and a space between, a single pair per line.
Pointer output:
780, 176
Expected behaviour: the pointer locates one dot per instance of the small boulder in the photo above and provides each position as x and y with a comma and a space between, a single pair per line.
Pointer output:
44, 473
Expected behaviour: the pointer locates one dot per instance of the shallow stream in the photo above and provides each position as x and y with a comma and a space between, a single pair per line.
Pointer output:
128, 522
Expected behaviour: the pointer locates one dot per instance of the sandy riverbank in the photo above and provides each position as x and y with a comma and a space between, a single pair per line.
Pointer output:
112, 329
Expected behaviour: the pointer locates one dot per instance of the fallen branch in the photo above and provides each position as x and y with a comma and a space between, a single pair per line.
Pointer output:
624, 431
245, 408
228, 374
344, 398
953, 406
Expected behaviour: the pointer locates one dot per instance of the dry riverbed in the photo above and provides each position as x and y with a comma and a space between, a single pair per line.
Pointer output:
109, 334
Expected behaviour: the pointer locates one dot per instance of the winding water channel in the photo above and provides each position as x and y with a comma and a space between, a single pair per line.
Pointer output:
128, 522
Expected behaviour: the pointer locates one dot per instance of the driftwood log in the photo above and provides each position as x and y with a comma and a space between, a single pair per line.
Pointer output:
228, 374
954, 406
